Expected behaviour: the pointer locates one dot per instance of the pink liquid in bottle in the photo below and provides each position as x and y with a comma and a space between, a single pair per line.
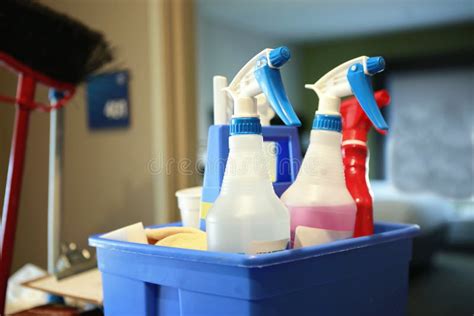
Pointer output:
313, 225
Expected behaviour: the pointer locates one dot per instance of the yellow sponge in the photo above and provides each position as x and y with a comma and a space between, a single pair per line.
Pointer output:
196, 241
156, 234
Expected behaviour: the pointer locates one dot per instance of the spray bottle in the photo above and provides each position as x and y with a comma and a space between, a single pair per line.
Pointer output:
355, 127
247, 216
281, 147
320, 205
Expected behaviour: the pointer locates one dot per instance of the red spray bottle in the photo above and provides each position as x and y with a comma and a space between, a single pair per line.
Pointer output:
355, 127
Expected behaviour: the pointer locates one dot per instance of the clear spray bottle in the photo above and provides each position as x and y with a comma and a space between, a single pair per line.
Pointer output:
321, 207
247, 216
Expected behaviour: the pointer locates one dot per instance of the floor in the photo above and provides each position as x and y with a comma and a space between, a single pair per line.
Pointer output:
446, 288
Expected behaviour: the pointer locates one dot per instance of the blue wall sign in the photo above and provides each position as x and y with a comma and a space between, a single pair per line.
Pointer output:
107, 100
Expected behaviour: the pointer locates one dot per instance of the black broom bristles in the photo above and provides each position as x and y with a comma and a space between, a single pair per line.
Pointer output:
50, 43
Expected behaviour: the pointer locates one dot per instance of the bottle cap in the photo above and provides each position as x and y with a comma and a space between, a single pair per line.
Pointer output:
245, 125
327, 122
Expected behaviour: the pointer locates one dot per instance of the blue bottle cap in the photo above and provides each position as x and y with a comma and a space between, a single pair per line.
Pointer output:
327, 122
245, 125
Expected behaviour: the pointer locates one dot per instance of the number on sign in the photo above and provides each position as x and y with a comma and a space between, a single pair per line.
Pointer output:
116, 109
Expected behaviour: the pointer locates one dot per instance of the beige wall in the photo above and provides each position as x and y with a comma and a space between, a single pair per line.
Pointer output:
107, 183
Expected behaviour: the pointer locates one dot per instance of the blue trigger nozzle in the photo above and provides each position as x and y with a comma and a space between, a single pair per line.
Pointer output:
269, 79
279, 56
375, 65
362, 89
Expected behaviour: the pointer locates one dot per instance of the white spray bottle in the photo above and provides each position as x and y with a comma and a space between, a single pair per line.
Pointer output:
247, 216
321, 207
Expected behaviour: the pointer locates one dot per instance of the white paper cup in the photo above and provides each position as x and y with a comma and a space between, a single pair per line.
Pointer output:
189, 201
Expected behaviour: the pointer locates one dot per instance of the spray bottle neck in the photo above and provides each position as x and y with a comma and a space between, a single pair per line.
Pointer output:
328, 105
360, 133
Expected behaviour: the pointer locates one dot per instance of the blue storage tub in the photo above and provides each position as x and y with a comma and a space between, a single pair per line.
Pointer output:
360, 276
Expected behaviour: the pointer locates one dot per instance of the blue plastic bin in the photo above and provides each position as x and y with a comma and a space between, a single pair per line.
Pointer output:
361, 276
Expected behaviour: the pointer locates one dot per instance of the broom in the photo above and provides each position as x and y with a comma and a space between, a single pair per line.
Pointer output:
45, 47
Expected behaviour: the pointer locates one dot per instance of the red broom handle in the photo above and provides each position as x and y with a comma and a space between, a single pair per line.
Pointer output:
25, 95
